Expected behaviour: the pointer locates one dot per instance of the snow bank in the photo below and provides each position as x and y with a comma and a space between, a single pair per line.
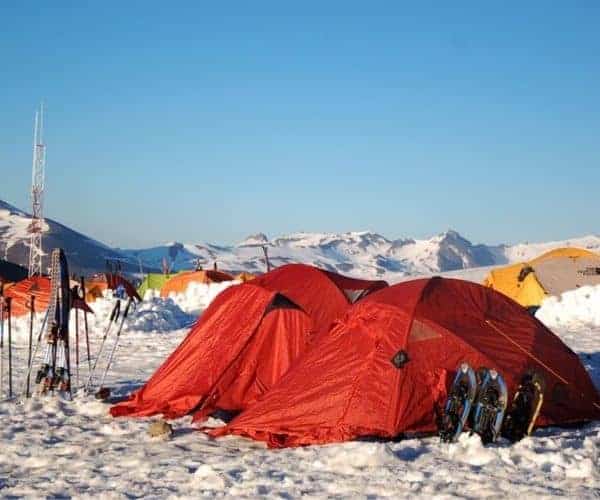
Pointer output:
156, 315
573, 309
197, 297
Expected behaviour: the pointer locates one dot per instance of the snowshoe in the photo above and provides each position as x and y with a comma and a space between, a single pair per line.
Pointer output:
525, 407
490, 405
458, 404
102, 394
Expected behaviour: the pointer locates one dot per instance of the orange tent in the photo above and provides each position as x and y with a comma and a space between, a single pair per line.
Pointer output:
21, 292
244, 276
180, 282
39, 287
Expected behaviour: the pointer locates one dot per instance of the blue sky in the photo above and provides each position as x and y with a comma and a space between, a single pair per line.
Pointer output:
194, 121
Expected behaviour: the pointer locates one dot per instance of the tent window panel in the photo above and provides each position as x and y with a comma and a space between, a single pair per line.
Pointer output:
421, 331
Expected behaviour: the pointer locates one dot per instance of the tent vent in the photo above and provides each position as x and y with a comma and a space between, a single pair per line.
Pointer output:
400, 359
281, 302
524, 273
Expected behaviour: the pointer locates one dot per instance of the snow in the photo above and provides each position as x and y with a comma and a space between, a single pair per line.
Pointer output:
56, 448
14, 226
575, 307
197, 296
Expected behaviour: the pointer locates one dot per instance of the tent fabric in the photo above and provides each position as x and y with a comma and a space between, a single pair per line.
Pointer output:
552, 273
346, 386
153, 281
21, 292
115, 281
10, 272
38, 286
244, 276
180, 282
247, 338
92, 294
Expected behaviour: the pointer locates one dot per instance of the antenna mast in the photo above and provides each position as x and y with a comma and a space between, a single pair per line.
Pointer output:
37, 195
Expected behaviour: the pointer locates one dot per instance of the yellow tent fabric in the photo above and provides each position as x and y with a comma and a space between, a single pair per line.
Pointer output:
520, 282
244, 276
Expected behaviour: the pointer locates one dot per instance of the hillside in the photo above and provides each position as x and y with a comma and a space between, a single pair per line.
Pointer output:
85, 254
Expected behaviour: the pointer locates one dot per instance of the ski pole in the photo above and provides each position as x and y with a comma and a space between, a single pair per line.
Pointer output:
1, 344
37, 345
85, 322
114, 316
10, 386
77, 344
31, 317
114, 348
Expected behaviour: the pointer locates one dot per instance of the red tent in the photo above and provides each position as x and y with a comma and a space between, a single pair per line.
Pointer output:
245, 341
353, 383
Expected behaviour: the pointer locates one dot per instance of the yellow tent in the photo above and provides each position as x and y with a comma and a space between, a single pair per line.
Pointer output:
552, 273
244, 276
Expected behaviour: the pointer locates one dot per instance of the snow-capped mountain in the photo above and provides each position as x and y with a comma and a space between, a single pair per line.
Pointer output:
85, 254
361, 254
364, 254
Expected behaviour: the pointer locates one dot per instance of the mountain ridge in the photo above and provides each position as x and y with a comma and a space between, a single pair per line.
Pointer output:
359, 253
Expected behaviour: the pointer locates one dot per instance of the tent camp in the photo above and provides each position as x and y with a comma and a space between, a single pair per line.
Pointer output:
153, 281
385, 368
245, 341
10, 273
180, 282
552, 273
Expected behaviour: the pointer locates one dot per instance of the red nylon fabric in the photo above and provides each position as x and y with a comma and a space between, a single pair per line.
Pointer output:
243, 343
346, 386
188, 376
319, 293
280, 338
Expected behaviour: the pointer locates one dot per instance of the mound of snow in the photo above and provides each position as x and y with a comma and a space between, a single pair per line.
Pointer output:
155, 315
198, 296
575, 308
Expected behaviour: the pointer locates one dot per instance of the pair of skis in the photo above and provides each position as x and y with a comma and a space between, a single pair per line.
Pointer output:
115, 318
55, 372
480, 399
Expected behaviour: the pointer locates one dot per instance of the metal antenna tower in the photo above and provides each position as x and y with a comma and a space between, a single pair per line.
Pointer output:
37, 195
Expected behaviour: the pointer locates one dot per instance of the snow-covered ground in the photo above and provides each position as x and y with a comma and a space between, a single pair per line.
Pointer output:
51, 447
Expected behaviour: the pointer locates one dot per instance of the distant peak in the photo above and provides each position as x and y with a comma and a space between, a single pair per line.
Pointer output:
253, 240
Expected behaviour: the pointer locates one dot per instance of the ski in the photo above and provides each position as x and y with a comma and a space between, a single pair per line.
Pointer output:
55, 372
2, 315
490, 405
458, 404
525, 407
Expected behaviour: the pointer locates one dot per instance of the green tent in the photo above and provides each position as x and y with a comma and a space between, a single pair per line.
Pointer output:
153, 281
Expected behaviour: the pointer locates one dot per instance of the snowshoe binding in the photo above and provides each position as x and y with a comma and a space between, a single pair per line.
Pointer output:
458, 404
525, 407
490, 405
